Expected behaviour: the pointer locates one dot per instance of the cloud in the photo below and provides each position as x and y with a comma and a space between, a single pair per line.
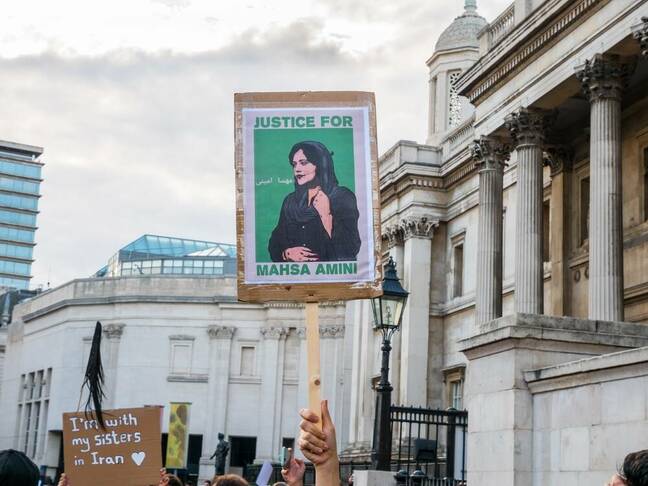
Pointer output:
140, 141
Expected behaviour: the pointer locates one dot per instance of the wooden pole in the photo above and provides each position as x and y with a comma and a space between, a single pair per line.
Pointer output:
313, 359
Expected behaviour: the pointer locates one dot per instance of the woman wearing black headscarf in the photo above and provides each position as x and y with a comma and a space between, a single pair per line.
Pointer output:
319, 220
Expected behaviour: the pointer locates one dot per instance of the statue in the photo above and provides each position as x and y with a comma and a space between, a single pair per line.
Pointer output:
222, 449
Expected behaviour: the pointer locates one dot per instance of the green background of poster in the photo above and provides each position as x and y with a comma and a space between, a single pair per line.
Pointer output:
271, 149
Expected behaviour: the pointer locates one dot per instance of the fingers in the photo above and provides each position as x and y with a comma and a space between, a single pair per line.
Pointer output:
326, 416
314, 441
308, 415
305, 445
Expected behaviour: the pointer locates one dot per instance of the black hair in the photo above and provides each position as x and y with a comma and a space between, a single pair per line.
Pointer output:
317, 154
635, 468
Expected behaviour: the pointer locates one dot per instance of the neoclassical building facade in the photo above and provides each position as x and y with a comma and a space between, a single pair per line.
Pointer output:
168, 338
520, 229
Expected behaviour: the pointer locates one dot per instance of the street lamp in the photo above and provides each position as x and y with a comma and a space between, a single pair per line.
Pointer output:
388, 313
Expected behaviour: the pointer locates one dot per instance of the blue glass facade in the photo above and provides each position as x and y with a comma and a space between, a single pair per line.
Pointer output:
20, 179
163, 255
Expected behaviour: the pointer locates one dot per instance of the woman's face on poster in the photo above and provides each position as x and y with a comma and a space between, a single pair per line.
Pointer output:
303, 170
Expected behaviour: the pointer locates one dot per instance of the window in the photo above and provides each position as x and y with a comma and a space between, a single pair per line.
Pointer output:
546, 232
247, 360
454, 101
584, 209
457, 263
33, 407
291, 356
288, 442
645, 181
181, 355
243, 450
454, 380
457, 270
456, 394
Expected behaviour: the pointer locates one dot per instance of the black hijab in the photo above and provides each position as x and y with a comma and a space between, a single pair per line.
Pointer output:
297, 207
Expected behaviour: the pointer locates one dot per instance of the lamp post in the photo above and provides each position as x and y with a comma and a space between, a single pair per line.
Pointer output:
388, 313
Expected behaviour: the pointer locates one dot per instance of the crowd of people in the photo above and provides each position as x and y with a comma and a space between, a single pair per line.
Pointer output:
318, 444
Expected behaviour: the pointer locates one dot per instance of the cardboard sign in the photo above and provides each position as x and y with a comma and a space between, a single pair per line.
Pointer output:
128, 452
308, 215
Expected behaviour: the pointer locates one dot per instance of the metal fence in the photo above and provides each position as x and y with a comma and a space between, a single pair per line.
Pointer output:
431, 441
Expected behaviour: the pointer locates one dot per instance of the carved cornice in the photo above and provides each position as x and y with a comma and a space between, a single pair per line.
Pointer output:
331, 331
523, 54
605, 76
641, 34
559, 158
418, 227
113, 331
221, 332
529, 126
490, 153
273, 332
393, 235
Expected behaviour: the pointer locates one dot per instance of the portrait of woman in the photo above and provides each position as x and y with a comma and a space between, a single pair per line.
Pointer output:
319, 220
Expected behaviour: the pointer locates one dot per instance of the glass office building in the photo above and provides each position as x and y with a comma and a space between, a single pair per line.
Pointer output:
20, 179
152, 254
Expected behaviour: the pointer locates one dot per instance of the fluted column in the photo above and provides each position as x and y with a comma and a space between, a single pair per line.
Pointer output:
528, 127
417, 266
269, 440
112, 334
603, 79
491, 156
220, 350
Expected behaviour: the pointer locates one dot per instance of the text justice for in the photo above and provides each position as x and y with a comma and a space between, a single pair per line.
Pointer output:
303, 121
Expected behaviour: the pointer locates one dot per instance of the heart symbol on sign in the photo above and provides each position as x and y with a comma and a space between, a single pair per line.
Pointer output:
138, 457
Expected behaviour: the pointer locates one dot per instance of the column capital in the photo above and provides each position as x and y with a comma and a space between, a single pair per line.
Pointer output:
301, 332
393, 234
640, 33
273, 332
113, 331
605, 76
331, 331
490, 153
559, 158
221, 332
418, 227
529, 126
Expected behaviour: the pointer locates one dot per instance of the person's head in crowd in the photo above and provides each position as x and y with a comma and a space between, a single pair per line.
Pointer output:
172, 480
206, 482
635, 468
229, 480
16, 469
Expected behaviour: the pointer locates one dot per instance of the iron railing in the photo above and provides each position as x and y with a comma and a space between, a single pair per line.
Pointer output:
443, 462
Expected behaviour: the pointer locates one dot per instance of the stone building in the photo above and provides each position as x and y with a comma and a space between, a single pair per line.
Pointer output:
173, 330
521, 230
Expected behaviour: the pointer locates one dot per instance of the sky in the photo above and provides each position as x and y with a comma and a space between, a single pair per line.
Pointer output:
132, 101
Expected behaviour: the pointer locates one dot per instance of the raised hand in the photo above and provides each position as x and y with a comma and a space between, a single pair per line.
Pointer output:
294, 473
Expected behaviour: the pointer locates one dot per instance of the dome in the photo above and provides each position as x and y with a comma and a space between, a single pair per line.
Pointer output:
463, 31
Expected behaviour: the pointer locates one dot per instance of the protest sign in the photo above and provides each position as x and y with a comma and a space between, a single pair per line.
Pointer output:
308, 225
178, 443
127, 452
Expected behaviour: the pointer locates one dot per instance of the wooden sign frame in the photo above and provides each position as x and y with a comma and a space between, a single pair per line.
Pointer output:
306, 292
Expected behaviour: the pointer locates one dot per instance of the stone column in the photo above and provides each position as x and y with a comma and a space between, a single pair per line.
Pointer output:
490, 155
603, 79
331, 339
640, 32
269, 439
394, 238
112, 334
220, 350
417, 233
560, 160
528, 127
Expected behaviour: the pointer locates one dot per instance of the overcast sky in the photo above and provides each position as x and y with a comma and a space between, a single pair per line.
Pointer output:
132, 101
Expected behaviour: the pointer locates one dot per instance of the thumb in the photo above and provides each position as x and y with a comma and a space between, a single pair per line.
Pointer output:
326, 416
